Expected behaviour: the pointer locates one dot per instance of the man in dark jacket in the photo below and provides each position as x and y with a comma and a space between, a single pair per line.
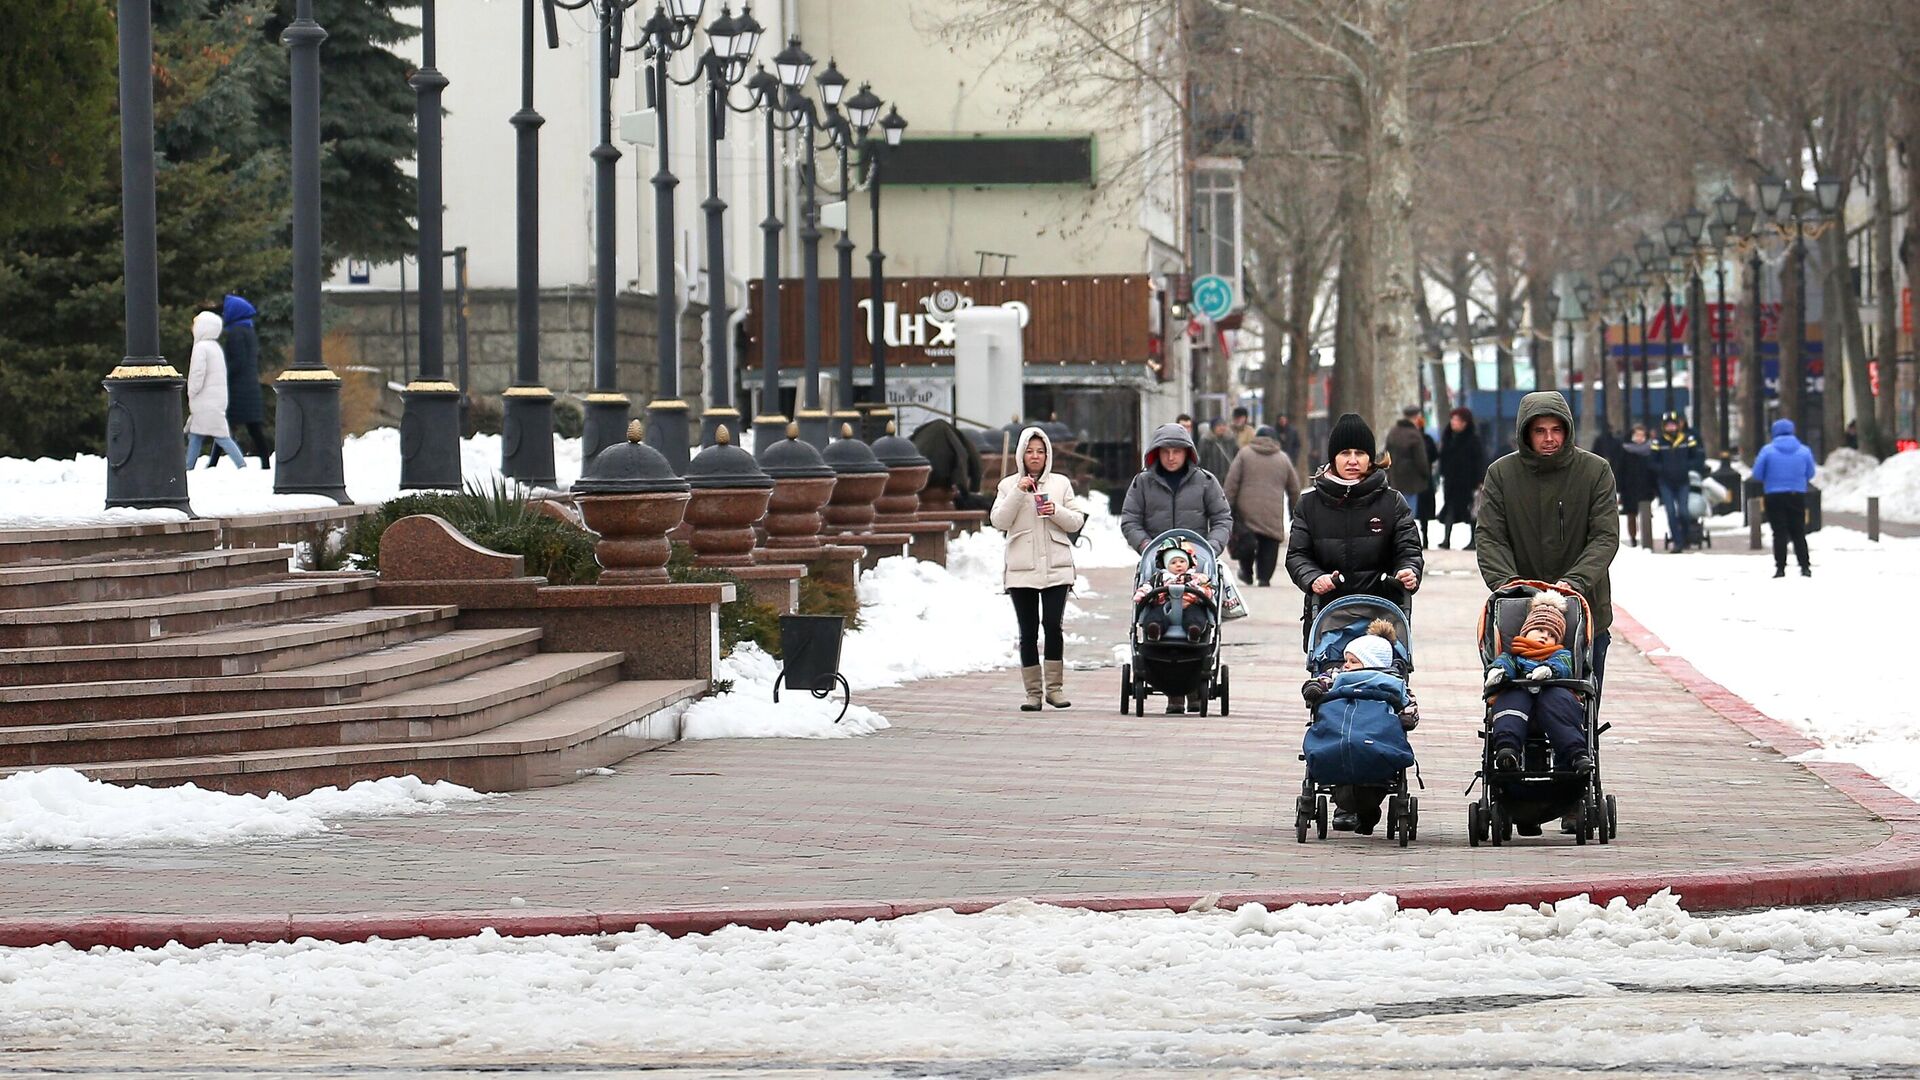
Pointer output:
1218, 449
1171, 492
1463, 464
1675, 454
1410, 469
1547, 513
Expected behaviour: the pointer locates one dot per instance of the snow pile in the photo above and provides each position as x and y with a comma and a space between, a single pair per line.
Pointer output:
46, 492
1573, 986
61, 809
1781, 644
748, 711
1850, 476
1101, 544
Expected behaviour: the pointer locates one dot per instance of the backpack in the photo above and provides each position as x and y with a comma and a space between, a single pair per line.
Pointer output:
1356, 737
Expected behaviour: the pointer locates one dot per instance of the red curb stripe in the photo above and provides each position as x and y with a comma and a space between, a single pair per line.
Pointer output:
1891, 868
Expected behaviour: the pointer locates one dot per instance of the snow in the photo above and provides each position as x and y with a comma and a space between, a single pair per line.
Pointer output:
46, 492
1782, 643
1031, 989
1849, 476
61, 809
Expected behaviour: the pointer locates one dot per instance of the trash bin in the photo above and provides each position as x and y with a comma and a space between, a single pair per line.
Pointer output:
810, 657
1813, 509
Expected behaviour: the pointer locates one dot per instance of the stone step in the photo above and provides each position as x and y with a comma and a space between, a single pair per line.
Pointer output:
105, 581
466, 706
238, 650
122, 621
25, 547
441, 658
550, 747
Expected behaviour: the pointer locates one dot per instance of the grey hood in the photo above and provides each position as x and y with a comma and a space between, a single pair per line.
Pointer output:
1168, 435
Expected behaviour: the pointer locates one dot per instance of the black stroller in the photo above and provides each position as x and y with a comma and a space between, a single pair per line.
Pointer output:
1169, 658
1334, 627
1543, 790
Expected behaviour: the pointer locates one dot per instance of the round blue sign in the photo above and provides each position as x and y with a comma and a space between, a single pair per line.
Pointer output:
1213, 296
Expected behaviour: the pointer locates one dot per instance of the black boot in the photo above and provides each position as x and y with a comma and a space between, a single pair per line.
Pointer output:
1779, 571
1344, 820
1806, 571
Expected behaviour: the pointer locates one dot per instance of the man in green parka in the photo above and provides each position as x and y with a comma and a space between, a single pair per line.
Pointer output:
1550, 513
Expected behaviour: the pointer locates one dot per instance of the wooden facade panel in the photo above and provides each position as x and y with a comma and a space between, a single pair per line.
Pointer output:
1071, 320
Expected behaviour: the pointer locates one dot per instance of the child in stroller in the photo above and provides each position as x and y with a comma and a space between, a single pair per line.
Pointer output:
1360, 710
1174, 638
1157, 615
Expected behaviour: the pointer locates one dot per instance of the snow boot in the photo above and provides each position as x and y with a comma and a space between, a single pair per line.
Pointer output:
1031, 677
1056, 677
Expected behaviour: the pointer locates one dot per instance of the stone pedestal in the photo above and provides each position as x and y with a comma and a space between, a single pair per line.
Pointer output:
633, 547
792, 522
777, 586
721, 525
850, 510
899, 500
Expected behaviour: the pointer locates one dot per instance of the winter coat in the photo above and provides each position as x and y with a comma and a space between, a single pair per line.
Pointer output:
1674, 458
1262, 487
1553, 518
1463, 464
1785, 464
1359, 531
1410, 470
207, 380
244, 400
1039, 549
1633, 475
1289, 439
1190, 499
956, 461
1217, 453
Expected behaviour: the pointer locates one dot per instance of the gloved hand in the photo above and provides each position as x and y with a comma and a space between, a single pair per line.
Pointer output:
1496, 676
1540, 673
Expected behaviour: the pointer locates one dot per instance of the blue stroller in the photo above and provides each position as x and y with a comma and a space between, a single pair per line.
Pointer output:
1175, 633
1354, 737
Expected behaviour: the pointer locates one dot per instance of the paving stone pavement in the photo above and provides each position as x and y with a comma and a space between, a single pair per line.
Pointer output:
968, 797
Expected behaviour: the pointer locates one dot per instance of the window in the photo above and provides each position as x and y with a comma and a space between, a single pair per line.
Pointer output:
1216, 213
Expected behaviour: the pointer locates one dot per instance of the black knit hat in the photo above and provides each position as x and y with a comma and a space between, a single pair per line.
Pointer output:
1350, 433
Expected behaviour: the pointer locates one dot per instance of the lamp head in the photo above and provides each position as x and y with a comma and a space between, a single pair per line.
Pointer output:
1772, 190
894, 125
832, 84
684, 13
747, 32
721, 33
1726, 207
1717, 233
793, 65
1695, 219
863, 108
1827, 191
1744, 219
1674, 232
1644, 248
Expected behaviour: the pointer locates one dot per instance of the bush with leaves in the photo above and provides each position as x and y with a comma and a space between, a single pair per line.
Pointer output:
741, 619
497, 518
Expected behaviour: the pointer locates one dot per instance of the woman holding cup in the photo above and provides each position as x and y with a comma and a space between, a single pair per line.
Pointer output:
1036, 508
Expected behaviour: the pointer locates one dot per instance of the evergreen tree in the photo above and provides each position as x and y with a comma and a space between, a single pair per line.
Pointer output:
57, 80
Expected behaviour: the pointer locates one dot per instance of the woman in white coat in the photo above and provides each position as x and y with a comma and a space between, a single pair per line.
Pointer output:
1035, 507
207, 392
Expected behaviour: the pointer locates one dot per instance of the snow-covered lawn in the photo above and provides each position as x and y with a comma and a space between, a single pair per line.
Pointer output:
60, 809
1030, 987
1819, 653
1849, 476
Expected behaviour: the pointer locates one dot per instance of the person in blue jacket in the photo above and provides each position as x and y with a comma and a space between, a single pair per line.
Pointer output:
1783, 470
1675, 454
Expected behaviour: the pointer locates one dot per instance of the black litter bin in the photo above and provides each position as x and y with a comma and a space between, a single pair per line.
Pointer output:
810, 657
1813, 509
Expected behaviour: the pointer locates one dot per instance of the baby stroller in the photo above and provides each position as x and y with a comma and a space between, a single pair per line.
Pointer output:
1542, 790
1166, 659
1339, 725
1698, 510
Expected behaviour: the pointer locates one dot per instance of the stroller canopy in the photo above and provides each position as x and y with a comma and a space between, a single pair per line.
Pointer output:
1340, 622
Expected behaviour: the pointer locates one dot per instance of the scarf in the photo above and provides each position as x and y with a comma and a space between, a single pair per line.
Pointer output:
1538, 652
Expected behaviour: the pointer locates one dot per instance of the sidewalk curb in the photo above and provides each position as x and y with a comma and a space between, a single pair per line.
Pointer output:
1889, 869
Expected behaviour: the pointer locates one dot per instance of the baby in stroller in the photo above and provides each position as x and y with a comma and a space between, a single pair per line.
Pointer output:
1535, 655
1157, 615
1359, 711
1372, 651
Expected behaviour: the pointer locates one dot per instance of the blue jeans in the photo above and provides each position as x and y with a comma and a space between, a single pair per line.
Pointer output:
1600, 644
1413, 503
1674, 501
224, 442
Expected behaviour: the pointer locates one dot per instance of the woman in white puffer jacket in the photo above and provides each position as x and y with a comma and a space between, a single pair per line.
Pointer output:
207, 392
1037, 510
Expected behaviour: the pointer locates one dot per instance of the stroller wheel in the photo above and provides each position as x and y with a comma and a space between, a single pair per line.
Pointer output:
1499, 829
1410, 826
1474, 824
1302, 817
1613, 818
1225, 697
1394, 810
1126, 688
1320, 816
1583, 827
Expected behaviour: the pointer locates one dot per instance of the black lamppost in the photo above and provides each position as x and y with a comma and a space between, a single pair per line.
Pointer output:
894, 127
1726, 213
430, 420
1646, 250
730, 42
863, 109
668, 31
1609, 282
769, 424
1675, 234
526, 424
1797, 219
146, 467
606, 411
815, 422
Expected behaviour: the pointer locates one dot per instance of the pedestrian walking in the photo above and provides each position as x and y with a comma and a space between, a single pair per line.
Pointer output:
207, 393
1783, 469
1262, 487
1633, 478
1243, 429
1547, 514
1287, 436
1463, 464
1352, 533
1676, 454
1171, 492
1410, 470
1218, 449
246, 406
1036, 508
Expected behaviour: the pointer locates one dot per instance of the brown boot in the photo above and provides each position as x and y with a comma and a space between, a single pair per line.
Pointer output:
1031, 677
1056, 676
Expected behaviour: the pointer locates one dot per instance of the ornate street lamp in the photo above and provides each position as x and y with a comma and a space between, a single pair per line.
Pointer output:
430, 417
893, 127
764, 94
816, 424
526, 443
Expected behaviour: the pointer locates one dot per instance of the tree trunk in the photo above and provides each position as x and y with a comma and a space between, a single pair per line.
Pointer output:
1793, 302
1394, 363
1541, 316
1752, 411
1845, 303
1887, 313
1460, 282
1700, 365
1910, 122
1435, 351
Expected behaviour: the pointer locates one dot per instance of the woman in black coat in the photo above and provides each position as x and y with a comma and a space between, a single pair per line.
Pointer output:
1633, 478
1463, 465
1354, 534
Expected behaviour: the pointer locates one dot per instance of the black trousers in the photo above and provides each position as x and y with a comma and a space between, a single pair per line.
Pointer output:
1266, 555
1787, 517
256, 434
1039, 609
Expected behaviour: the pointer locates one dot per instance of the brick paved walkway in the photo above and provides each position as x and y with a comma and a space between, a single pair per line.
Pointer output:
967, 797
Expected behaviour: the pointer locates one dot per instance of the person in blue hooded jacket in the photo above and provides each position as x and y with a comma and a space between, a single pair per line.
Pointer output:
1783, 469
246, 406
